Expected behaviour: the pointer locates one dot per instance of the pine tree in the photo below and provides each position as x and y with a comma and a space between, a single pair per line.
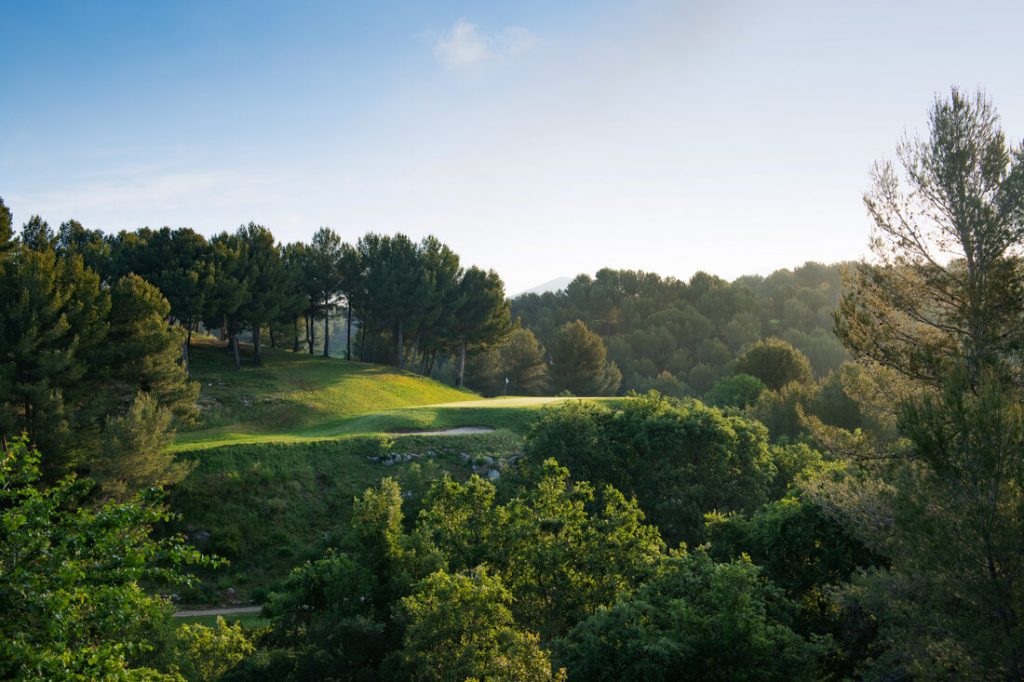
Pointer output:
230, 289
948, 241
324, 271
579, 362
6, 228
264, 277
481, 314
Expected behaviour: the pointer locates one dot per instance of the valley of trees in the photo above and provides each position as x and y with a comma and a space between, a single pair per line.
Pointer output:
817, 474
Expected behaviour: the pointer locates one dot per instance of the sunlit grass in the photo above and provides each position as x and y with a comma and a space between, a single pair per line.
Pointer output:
297, 398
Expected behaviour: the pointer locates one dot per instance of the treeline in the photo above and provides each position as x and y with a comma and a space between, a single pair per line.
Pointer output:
682, 337
409, 302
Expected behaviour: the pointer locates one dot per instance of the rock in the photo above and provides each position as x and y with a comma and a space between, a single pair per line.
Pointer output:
200, 538
387, 462
493, 475
488, 460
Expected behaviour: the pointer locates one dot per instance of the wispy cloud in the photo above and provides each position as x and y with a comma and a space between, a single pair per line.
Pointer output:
466, 46
128, 197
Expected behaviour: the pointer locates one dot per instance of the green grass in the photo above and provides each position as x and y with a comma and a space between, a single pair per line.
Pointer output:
295, 396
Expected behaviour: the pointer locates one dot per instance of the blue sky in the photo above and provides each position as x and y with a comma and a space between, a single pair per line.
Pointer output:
541, 139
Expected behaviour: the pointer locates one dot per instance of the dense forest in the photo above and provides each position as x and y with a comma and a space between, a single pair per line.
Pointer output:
679, 338
682, 336
817, 474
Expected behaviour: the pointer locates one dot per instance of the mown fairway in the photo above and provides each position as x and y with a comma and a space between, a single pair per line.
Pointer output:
300, 398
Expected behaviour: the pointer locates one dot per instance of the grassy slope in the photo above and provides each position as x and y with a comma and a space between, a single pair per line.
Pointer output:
282, 450
296, 397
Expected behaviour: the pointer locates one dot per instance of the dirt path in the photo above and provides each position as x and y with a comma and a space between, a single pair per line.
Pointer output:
457, 431
226, 611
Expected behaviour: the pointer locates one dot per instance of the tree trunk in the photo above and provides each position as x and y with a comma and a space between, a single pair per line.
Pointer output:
234, 346
270, 331
295, 328
348, 334
400, 346
327, 330
258, 355
462, 365
310, 332
362, 342
184, 350
414, 355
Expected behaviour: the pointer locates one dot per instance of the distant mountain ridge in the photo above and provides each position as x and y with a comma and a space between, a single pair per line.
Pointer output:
556, 284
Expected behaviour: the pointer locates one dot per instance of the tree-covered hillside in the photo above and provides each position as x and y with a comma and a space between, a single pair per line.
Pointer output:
681, 337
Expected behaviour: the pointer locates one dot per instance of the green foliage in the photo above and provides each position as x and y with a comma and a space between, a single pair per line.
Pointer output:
72, 605
936, 314
697, 620
810, 553
135, 450
143, 351
519, 358
667, 384
279, 504
265, 277
52, 312
459, 627
776, 363
555, 554
738, 390
37, 235
205, 653
180, 263
951, 605
693, 330
945, 285
73, 355
680, 460
564, 552
780, 411
482, 315
579, 364
794, 541
6, 228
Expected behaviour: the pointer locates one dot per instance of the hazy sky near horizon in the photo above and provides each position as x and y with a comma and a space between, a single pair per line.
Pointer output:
540, 139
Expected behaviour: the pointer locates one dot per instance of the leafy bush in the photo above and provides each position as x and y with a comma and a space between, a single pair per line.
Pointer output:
680, 459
